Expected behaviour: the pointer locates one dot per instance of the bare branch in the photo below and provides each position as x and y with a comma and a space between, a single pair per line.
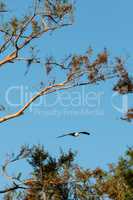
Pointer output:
44, 91
20, 29
29, 38
13, 188
69, 83
24, 152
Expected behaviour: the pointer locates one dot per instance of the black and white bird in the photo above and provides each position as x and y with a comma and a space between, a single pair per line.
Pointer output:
74, 134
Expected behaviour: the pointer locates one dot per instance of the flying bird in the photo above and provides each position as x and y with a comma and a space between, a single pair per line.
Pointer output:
74, 134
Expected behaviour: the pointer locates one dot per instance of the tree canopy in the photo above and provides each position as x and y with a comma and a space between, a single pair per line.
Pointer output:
62, 179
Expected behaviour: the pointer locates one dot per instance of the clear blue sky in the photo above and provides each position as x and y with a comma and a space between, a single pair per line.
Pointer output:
99, 24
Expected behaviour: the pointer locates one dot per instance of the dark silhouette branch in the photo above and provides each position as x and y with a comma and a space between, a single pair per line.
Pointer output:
16, 187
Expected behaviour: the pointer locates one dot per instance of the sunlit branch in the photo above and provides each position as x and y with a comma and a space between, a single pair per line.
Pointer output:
29, 38
54, 88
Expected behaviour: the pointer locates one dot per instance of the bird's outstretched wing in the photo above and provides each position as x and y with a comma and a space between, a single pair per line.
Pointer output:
60, 136
86, 133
